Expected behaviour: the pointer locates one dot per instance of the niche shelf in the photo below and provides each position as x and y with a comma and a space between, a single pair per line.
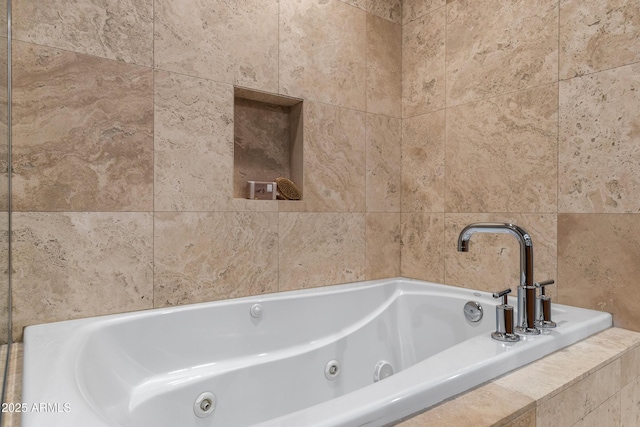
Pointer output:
267, 138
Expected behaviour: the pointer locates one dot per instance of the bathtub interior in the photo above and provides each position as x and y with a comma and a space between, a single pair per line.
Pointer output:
149, 370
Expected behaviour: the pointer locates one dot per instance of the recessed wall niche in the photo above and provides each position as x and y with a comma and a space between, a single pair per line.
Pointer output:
268, 139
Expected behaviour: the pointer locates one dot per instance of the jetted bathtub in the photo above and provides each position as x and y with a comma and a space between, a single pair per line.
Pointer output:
358, 354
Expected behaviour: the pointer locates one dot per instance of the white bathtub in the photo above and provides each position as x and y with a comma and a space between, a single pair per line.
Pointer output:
147, 368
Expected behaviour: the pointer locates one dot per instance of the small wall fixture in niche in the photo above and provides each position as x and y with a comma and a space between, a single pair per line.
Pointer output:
267, 142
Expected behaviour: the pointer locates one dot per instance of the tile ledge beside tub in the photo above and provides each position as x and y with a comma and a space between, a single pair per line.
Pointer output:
548, 392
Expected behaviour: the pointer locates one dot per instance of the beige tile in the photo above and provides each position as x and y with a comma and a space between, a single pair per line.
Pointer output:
193, 143
382, 245
384, 61
323, 46
384, 138
4, 278
571, 405
495, 47
501, 153
121, 30
232, 42
73, 265
493, 261
362, 4
390, 10
423, 64
319, 249
334, 160
597, 35
600, 279
599, 160
13, 391
413, 9
476, 408
423, 162
630, 404
630, 366
526, 420
422, 253
82, 133
212, 256
559, 371
607, 414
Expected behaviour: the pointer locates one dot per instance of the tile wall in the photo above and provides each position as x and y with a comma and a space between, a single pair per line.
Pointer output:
524, 111
420, 117
123, 151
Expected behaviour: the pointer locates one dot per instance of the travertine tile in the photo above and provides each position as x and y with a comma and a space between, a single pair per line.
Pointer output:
495, 47
413, 9
597, 35
630, 366
422, 253
501, 153
599, 154
193, 143
493, 261
597, 264
73, 265
570, 406
4, 278
488, 405
423, 162
384, 61
82, 132
383, 163
323, 52
334, 160
362, 4
382, 245
630, 404
390, 10
211, 256
526, 420
232, 41
423, 64
607, 414
121, 30
557, 372
319, 249
13, 391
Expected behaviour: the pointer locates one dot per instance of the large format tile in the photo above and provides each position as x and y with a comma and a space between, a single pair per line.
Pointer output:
384, 62
121, 30
423, 162
383, 163
383, 245
82, 134
596, 35
319, 249
73, 265
422, 251
323, 52
334, 160
423, 64
598, 264
390, 10
232, 41
495, 47
211, 256
193, 143
599, 150
413, 9
501, 153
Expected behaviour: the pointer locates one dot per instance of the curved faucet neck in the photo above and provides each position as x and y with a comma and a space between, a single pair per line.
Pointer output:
524, 239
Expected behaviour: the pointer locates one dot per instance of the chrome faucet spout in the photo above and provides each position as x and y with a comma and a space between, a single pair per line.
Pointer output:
527, 289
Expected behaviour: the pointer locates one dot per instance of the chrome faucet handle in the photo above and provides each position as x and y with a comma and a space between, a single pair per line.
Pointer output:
543, 306
504, 319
